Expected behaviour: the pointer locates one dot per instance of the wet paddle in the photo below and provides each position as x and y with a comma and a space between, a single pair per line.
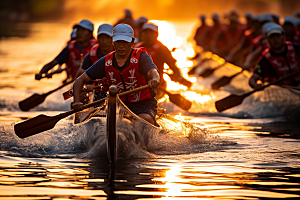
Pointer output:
36, 99
42, 122
208, 72
223, 81
178, 100
234, 100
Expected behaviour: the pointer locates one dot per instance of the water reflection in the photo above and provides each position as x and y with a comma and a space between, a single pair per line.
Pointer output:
136, 179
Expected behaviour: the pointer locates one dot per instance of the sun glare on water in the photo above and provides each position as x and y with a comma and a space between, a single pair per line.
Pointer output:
181, 50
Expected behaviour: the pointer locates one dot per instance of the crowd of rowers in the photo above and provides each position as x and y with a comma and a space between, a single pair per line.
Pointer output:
129, 56
262, 45
126, 54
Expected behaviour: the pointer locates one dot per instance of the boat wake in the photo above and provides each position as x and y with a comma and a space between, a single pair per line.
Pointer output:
88, 140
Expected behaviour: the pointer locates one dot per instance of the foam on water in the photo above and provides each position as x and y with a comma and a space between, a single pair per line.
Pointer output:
88, 140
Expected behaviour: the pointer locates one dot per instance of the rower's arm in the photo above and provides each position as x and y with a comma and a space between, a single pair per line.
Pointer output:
154, 78
77, 88
45, 69
251, 58
253, 81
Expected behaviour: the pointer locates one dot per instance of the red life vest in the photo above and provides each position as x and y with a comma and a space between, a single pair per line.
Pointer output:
282, 67
75, 56
151, 51
93, 53
129, 77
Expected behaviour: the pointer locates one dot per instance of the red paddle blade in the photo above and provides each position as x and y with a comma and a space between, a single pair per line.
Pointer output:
32, 102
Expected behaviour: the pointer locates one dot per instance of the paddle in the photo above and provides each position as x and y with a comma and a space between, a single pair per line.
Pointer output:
193, 70
234, 100
42, 122
182, 81
223, 81
178, 100
208, 72
37, 99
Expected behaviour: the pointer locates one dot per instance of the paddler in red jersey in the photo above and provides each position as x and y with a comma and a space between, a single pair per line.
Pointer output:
75, 51
228, 38
279, 60
159, 53
102, 48
127, 68
200, 35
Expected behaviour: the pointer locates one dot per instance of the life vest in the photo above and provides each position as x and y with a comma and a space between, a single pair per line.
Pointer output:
93, 53
76, 57
151, 51
282, 67
129, 78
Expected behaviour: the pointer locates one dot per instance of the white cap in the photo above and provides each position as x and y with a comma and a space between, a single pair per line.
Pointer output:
274, 28
150, 26
266, 27
105, 29
122, 32
85, 24
266, 18
289, 19
73, 34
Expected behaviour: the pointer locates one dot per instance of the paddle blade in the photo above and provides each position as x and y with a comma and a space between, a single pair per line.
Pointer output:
182, 81
221, 82
32, 102
35, 125
207, 72
229, 102
180, 101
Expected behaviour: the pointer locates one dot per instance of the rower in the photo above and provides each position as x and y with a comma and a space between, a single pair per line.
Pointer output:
127, 68
200, 35
75, 51
290, 30
258, 44
226, 39
159, 53
279, 60
102, 48
139, 27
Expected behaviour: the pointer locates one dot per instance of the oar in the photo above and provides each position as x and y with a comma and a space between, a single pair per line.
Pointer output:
178, 100
42, 123
182, 81
234, 100
37, 99
193, 70
208, 72
223, 81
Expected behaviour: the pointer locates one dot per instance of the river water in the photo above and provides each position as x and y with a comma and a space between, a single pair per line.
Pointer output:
248, 152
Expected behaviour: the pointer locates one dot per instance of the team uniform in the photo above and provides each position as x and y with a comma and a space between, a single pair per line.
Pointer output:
73, 55
132, 75
273, 66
